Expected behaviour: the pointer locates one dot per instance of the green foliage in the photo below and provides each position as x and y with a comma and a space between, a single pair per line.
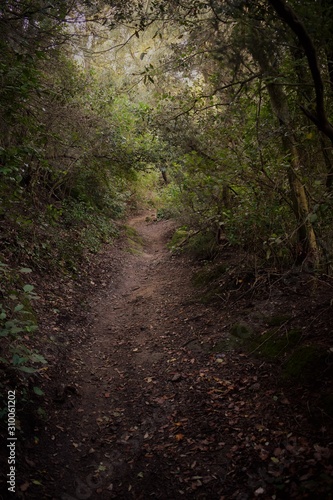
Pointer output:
163, 214
69, 159
232, 169
135, 242
203, 246
17, 322
71, 233
208, 275
179, 236
171, 200
275, 343
304, 362
19, 358
241, 331
146, 190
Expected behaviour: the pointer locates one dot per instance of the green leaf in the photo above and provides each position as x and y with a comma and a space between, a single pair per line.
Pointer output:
17, 360
15, 330
26, 369
31, 328
25, 270
28, 288
38, 358
38, 391
19, 307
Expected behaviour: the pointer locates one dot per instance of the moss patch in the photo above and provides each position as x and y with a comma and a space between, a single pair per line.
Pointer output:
278, 320
274, 343
206, 276
208, 279
306, 363
178, 237
135, 242
203, 246
241, 331
239, 336
326, 404
229, 344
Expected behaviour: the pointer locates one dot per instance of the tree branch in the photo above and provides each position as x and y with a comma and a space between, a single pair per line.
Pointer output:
289, 16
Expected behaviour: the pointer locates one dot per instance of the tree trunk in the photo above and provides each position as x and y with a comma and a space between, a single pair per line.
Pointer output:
319, 116
307, 243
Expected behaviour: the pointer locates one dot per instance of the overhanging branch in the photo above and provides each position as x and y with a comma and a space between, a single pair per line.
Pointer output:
289, 16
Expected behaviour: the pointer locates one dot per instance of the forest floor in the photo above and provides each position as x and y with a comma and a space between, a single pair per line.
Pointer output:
147, 398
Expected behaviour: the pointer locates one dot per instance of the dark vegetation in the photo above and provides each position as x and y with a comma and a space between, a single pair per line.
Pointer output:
232, 102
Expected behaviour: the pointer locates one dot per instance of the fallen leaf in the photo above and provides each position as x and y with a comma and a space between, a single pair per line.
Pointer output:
24, 486
264, 455
30, 462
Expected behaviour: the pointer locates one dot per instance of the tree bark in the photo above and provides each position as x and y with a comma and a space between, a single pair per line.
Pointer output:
319, 116
307, 242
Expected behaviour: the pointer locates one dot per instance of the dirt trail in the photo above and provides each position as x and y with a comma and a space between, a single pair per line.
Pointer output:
148, 408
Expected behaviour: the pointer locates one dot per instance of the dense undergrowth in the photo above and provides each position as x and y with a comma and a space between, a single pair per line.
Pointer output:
281, 315
52, 241
39, 246
71, 153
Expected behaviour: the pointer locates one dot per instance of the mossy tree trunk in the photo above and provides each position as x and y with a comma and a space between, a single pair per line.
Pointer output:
307, 243
319, 115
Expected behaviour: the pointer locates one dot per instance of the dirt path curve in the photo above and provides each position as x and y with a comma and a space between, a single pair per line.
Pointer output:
125, 385
149, 408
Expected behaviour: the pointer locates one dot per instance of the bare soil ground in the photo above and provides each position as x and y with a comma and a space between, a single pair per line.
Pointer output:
145, 402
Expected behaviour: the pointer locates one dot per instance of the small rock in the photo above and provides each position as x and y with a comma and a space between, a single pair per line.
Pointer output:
255, 387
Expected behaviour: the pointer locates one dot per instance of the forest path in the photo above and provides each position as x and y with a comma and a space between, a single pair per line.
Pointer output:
149, 407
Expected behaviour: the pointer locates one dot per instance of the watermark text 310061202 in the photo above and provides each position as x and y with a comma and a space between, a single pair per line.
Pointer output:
11, 442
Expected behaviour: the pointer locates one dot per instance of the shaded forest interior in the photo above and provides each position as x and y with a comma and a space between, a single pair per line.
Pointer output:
211, 121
